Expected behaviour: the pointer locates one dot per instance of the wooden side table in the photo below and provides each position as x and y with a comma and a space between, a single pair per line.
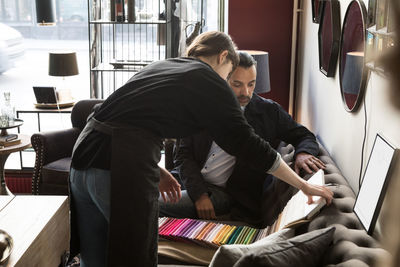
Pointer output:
4, 153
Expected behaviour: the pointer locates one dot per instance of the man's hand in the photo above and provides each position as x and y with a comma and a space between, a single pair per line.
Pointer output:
307, 162
169, 186
205, 208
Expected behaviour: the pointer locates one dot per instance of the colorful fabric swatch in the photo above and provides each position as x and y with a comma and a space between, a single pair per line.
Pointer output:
207, 233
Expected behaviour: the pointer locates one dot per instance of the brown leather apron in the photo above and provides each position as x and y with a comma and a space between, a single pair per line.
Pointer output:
133, 228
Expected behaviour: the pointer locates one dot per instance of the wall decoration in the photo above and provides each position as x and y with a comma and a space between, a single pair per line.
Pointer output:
316, 7
329, 37
353, 74
375, 182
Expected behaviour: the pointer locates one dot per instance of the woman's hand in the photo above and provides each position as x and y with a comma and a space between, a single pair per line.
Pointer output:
205, 208
286, 174
169, 187
317, 190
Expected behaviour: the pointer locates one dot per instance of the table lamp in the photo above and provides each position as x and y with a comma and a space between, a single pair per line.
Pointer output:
63, 64
45, 12
262, 82
352, 75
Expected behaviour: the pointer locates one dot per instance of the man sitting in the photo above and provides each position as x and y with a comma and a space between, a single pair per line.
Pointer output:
216, 183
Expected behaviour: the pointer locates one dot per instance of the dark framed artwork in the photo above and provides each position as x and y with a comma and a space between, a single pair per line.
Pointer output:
352, 70
316, 8
329, 37
375, 182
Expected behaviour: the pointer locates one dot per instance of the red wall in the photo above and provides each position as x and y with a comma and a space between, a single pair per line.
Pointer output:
266, 25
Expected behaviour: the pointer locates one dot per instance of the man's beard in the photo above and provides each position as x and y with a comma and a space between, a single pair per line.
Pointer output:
244, 99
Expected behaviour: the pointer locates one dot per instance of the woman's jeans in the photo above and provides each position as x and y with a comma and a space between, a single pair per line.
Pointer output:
91, 191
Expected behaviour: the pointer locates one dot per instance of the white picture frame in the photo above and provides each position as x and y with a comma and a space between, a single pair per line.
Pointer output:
374, 184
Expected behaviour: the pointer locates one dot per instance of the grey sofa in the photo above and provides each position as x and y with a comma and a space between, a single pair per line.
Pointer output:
351, 246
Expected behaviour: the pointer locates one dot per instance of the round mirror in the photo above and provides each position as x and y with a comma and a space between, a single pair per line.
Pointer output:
353, 73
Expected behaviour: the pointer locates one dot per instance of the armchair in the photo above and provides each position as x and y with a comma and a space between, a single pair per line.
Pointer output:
53, 152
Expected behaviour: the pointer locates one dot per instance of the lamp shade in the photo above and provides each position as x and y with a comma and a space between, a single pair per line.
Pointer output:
262, 82
45, 12
353, 68
63, 64
352, 78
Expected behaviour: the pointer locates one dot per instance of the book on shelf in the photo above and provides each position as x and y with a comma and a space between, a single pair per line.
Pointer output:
8, 137
119, 10
10, 143
112, 10
131, 16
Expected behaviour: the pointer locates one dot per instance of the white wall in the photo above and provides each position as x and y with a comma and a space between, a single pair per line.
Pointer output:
319, 105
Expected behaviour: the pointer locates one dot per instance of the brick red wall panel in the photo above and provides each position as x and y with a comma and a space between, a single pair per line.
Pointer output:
266, 25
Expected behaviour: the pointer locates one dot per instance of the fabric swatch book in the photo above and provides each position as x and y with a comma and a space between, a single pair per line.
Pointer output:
297, 211
210, 234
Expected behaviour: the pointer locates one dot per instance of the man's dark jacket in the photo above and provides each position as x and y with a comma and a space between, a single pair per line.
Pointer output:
245, 185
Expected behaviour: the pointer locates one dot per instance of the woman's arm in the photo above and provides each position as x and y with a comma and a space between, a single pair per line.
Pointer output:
286, 174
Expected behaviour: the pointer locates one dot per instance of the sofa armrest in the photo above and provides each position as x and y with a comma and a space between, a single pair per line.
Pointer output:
54, 145
51, 146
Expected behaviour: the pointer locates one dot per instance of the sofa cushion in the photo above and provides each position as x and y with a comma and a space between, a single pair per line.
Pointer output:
56, 172
228, 255
303, 250
183, 253
55, 177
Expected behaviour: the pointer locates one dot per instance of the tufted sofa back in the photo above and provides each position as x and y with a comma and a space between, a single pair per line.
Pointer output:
352, 246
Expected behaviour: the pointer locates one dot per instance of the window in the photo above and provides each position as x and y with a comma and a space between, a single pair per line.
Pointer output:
31, 67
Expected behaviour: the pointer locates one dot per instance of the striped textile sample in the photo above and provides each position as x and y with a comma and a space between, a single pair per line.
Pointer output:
208, 233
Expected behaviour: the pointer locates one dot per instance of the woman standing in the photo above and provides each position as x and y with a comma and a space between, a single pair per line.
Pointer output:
115, 179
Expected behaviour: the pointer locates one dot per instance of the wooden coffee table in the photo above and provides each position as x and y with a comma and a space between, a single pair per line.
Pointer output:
39, 227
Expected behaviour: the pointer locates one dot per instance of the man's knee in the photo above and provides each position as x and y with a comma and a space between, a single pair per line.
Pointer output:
184, 208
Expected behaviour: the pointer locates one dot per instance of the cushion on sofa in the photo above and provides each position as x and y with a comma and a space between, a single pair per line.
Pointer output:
57, 171
184, 253
228, 255
55, 177
303, 250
